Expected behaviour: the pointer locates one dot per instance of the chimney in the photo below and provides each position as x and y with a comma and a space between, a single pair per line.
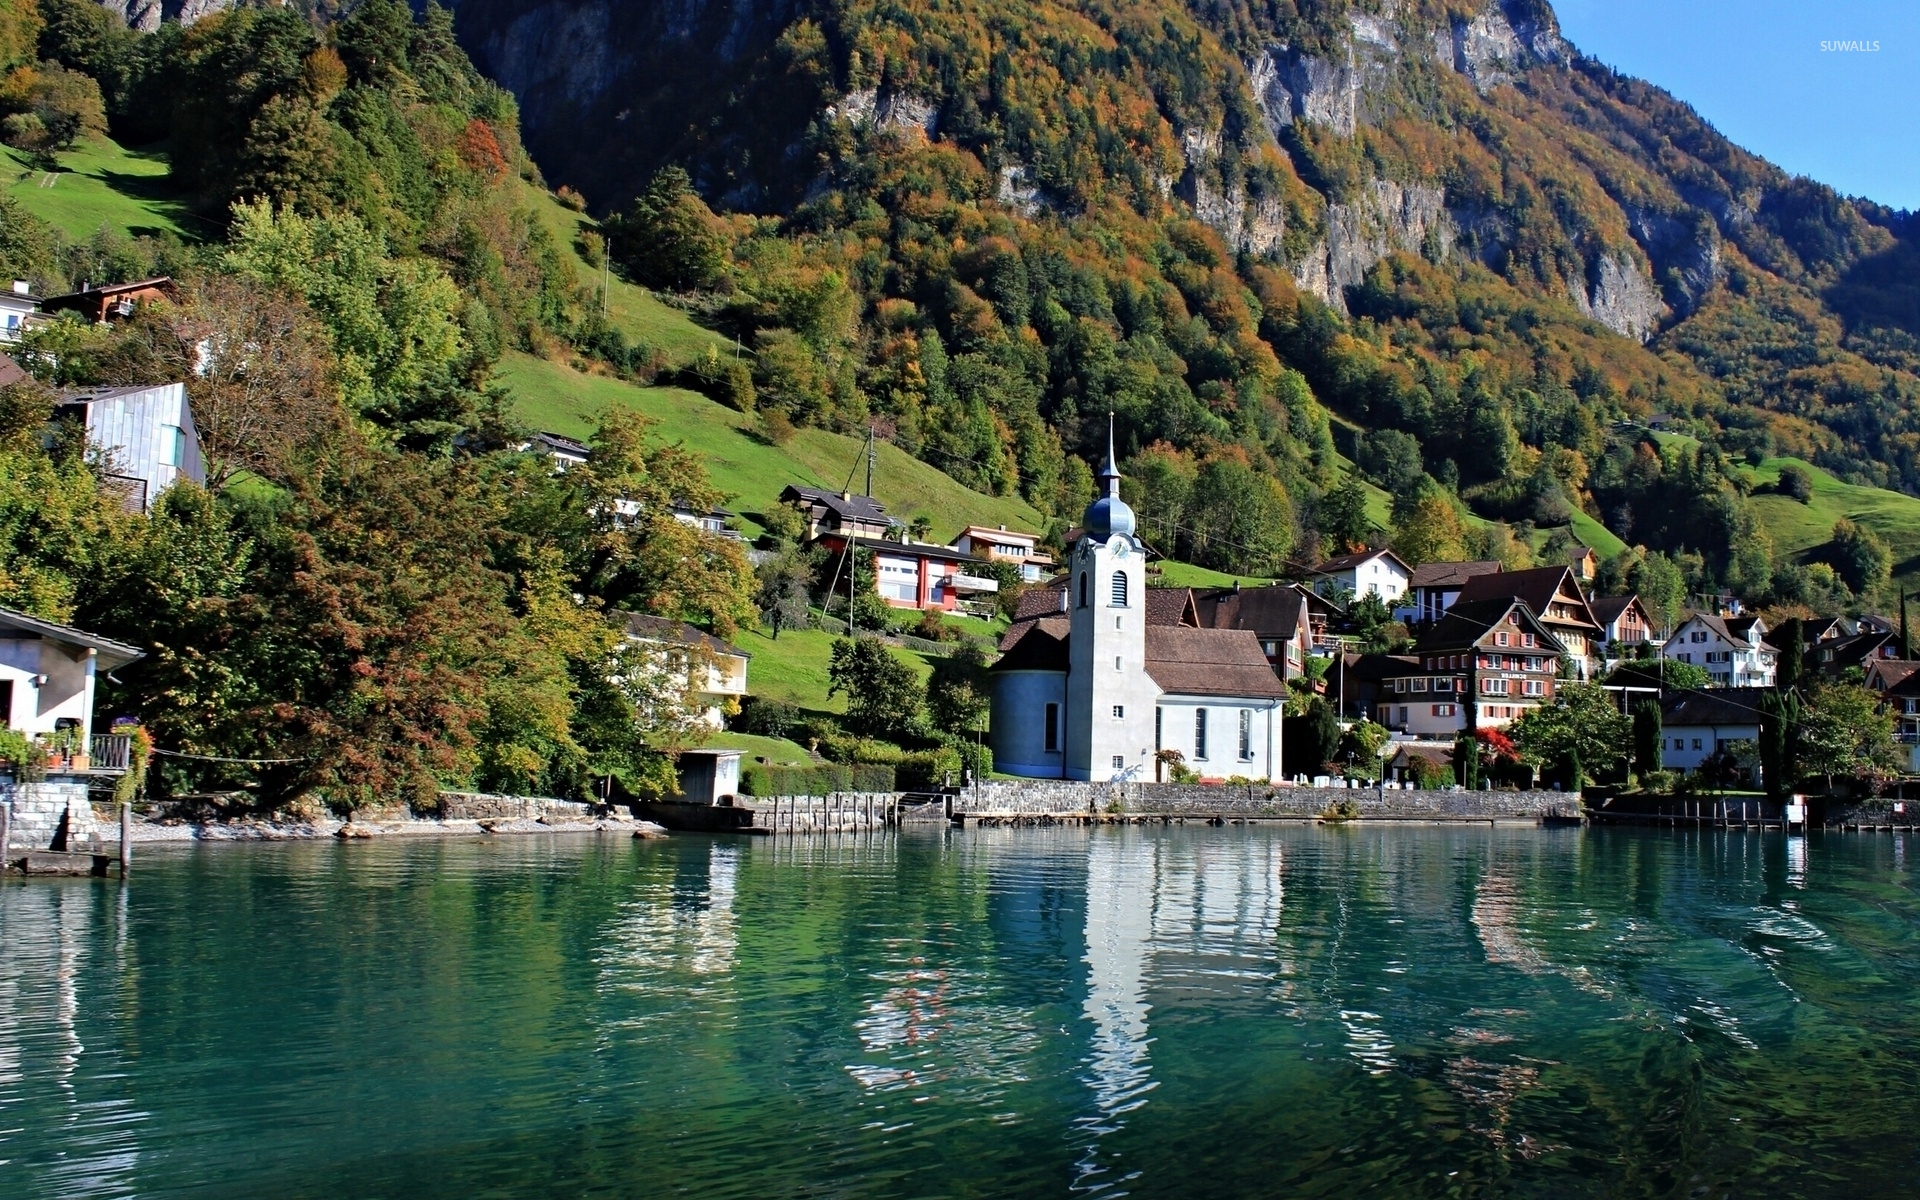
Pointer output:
1063, 599
22, 288
1003, 529
1236, 587
846, 495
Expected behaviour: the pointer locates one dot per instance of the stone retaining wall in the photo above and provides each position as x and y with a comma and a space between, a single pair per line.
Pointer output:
40, 808
1061, 798
482, 806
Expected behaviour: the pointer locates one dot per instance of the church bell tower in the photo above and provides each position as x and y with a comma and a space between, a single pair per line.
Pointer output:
1110, 698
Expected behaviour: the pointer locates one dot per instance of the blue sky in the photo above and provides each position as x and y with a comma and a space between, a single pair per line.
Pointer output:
1756, 70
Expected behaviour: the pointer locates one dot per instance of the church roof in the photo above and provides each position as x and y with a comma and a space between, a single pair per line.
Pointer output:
1171, 606
1038, 645
1211, 662
1275, 610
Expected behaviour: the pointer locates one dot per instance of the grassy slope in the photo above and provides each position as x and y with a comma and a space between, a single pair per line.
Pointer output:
794, 668
1797, 528
100, 183
777, 751
637, 312
559, 399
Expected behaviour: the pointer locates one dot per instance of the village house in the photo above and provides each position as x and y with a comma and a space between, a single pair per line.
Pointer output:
1554, 596
110, 302
1625, 628
1089, 687
145, 436
1368, 573
1832, 657
19, 308
564, 451
717, 668
47, 674
706, 520
1732, 649
839, 514
1281, 615
1433, 588
1897, 681
1698, 725
1010, 546
1483, 665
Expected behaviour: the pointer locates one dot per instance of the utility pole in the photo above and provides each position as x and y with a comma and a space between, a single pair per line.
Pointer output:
870, 457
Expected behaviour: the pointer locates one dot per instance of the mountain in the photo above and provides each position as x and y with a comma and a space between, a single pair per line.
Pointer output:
1241, 228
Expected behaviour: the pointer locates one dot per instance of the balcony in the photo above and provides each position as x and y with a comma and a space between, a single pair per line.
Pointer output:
971, 584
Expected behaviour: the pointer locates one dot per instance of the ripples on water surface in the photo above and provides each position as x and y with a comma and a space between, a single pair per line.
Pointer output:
1184, 1012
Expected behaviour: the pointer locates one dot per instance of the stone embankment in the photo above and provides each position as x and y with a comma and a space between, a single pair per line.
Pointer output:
1057, 800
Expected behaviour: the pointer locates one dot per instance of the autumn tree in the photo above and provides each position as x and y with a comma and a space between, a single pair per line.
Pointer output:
258, 372
670, 239
1431, 530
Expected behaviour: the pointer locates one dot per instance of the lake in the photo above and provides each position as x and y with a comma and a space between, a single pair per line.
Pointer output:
1190, 1011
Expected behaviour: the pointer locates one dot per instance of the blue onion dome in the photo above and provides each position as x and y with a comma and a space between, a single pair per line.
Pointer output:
1109, 515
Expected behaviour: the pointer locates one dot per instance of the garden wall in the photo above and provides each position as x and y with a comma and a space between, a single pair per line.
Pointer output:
1061, 798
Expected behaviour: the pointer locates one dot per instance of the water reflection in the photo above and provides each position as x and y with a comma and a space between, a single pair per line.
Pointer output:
1181, 1012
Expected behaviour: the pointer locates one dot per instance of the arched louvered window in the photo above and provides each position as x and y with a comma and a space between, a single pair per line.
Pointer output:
1119, 589
1083, 589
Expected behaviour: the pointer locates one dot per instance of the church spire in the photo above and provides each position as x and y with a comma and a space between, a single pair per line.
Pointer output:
1108, 514
1110, 470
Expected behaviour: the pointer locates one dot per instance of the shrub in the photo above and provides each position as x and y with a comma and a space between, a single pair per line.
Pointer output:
822, 780
1796, 483
767, 718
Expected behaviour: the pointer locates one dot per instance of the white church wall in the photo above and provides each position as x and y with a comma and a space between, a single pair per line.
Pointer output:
1224, 754
1019, 718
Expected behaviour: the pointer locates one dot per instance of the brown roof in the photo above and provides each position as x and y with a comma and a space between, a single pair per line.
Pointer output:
10, 372
1037, 645
1275, 610
1171, 606
1210, 662
1894, 676
1607, 609
1040, 601
1451, 574
1737, 630
1469, 621
1536, 588
660, 629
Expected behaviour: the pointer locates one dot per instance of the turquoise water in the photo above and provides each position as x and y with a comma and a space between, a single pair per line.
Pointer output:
1187, 1012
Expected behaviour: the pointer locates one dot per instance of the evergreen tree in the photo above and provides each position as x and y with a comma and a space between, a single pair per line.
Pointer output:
1648, 741
1791, 641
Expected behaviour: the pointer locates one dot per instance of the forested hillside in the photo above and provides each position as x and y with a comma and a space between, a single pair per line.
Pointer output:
980, 224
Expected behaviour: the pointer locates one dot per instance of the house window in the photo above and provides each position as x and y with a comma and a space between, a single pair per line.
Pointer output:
1493, 687
1119, 712
1119, 589
1419, 685
1443, 710
173, 445
1696, 743
1529, 641
1116, 663
1246, 734
1119, 762
1499, 639
1679, 743
1697, 636
1199, 733
1083, 589
1536, 687
1053, 728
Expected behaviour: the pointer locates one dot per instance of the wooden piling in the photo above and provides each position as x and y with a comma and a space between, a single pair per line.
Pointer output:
6, 830
126, 839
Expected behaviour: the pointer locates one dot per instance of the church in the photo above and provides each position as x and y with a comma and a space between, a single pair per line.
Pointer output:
1099, 675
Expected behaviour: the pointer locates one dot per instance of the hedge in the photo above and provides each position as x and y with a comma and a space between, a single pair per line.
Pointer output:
822, 780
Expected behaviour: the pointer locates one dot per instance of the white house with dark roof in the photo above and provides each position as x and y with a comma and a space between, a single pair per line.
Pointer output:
841, 513
715, 670
1369, 573
1733, 650
1695, 726
1091, 685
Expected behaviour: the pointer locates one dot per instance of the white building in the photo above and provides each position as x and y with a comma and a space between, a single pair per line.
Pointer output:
1694, 726
47, 673
1088, 689
718, 669
18, 308
145, 436
1732, 649
1007, 545
1369, 573
1433, 588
